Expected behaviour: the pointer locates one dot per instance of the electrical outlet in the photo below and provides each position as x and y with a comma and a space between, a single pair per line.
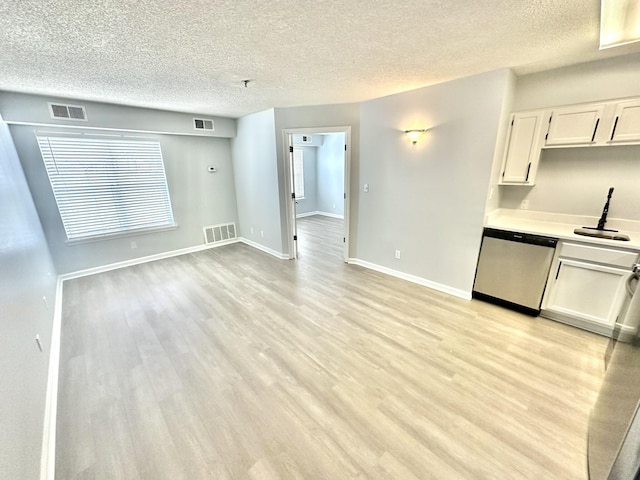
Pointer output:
134, 245
262, 233
397, 255
524, 205
366, 188
251, 230
334, 206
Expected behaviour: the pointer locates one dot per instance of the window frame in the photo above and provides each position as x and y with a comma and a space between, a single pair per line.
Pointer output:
298, 173
122, 190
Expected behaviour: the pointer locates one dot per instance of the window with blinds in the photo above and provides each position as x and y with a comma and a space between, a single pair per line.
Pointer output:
298, 172
107, 186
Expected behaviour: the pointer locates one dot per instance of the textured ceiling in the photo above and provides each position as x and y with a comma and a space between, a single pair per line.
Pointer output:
192, 55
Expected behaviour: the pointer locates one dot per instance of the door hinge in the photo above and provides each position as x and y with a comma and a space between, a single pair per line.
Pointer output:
344, 195
344, 240
290, 149
295, 238
345, 147
546, 137
526, 179
293, 196
512, 120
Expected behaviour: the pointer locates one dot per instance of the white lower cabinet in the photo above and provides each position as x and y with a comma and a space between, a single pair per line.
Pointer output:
586, 286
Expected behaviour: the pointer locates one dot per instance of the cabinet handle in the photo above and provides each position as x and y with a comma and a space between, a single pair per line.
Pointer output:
526, 179
613, 132
558, 272
594, 130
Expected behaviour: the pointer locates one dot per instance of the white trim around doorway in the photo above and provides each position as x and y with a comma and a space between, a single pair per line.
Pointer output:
287, 134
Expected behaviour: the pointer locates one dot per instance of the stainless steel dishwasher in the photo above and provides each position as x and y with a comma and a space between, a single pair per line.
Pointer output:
513, 269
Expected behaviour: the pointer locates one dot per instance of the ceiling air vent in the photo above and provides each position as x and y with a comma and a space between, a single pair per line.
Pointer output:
67, 112
203, 124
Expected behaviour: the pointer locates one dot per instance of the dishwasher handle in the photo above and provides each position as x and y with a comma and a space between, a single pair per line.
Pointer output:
521, 237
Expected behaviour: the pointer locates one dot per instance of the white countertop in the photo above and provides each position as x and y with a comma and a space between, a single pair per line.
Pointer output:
561, 226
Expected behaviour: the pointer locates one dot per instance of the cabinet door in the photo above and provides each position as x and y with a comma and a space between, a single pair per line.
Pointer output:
523, 148
626, 123
587, 291
574, 125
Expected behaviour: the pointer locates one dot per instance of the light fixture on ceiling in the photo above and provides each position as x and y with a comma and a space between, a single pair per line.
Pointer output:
415, 135
619, 23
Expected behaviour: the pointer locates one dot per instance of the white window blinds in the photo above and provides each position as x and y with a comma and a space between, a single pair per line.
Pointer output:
106, 186
298, 172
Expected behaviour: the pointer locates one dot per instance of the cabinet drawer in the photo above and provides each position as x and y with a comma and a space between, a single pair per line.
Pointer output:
607, 256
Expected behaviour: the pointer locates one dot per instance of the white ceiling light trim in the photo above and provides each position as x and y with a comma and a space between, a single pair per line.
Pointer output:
619, 23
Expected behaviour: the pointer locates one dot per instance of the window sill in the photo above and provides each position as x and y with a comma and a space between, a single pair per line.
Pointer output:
114, 236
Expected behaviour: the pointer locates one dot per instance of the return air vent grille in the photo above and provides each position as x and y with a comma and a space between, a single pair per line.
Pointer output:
67, 112
203, 124
219, 233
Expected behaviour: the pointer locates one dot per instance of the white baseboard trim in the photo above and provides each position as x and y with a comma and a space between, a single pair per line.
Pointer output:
456, 292
139, 260
48, 455
268, 250
325, 214
308, 214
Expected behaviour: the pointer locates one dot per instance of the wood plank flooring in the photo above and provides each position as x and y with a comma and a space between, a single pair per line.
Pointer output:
231, 364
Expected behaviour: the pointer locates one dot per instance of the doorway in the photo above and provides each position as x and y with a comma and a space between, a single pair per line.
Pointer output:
317, 169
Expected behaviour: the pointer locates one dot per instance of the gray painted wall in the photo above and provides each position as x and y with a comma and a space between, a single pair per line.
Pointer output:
310, 201
427, 200
587, 82
330, 174
256, 180
575, 180
199, 198
317, 117
27, 275
18, 107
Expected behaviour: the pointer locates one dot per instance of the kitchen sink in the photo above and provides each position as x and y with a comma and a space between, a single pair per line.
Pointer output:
608, 234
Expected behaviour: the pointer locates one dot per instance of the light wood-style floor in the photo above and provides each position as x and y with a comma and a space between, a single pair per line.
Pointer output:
229, 363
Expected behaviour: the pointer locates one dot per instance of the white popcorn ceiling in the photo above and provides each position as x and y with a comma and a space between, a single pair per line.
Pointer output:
193, 55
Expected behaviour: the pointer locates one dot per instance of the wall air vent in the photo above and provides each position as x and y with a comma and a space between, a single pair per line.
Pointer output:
67, 112
219, 233
203, 124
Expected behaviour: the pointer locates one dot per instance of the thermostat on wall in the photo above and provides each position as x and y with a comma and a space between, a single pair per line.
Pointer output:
212, 169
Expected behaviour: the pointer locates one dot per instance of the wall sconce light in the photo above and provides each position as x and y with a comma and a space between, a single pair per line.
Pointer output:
619, 23
414, 135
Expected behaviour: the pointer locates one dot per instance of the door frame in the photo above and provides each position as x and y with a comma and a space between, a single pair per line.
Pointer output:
287, 142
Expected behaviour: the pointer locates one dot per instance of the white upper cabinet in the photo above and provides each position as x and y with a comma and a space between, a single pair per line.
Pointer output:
574, 125
616, 122
523, 148
626, 123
